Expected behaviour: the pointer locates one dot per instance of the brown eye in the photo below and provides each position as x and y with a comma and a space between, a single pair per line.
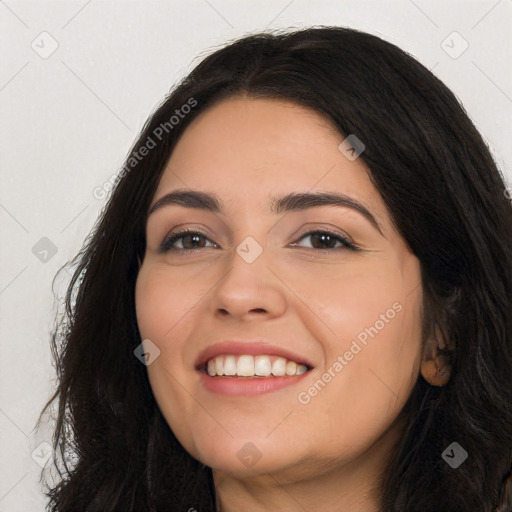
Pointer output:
325, 240
190, 240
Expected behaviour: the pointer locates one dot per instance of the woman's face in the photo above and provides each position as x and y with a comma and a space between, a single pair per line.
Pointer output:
268, 285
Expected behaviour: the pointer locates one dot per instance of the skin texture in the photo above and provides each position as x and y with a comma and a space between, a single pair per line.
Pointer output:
326, 454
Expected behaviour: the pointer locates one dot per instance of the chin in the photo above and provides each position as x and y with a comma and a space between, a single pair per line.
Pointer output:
243, 457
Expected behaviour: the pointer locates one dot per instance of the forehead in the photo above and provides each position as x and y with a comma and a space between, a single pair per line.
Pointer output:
247, 123
259, 144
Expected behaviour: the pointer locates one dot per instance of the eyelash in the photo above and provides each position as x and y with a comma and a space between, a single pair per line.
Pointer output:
171, 239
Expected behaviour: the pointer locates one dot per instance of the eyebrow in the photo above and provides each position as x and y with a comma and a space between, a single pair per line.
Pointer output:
290, 202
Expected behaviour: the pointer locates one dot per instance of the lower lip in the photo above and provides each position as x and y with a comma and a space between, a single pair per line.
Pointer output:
246, 386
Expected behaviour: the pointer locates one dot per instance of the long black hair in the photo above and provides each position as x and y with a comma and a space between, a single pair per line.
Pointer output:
444, 194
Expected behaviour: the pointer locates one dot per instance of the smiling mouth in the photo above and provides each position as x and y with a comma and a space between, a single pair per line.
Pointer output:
249, 366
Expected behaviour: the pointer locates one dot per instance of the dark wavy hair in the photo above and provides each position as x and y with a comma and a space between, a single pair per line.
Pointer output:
446, 197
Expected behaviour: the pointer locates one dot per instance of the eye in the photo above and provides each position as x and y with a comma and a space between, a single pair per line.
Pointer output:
321, 239
190, 240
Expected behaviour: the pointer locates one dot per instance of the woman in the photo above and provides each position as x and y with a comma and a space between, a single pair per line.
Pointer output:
298, 296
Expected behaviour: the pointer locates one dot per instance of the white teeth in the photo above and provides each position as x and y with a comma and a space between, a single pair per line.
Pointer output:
291, 368
229, 365
219, 365
211, 368
262, 366
279, 367
245, 366
253, 366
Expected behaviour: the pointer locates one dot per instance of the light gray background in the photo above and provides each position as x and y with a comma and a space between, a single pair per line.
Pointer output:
68, 121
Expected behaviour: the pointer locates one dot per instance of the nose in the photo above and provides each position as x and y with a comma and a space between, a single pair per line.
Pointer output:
249, 289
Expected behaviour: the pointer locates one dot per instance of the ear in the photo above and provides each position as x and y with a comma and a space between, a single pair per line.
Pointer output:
436, 367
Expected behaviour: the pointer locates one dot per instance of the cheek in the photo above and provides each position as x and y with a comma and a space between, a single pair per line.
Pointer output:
358, 301
162, 302
162, 317
368, 384
371, 329
149, 298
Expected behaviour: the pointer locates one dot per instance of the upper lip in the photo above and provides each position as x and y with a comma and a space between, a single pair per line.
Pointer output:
249, 348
